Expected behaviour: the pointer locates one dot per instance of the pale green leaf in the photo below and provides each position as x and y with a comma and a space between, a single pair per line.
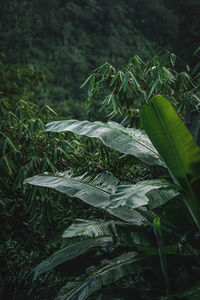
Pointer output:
126, 140
125, 201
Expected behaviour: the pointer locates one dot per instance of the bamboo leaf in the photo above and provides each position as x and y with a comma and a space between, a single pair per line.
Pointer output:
87, 80
153, 88
173, 59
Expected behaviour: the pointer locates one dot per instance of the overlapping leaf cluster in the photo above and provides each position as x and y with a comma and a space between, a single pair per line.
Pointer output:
149, 236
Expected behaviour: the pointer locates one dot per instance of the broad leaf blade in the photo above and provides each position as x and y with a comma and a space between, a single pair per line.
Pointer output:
98, 277
177, 147
139, 216
84, 235
94, 191
125, 140
172, 139
153, 193
69, 252
88, 229
123, 201
122, 233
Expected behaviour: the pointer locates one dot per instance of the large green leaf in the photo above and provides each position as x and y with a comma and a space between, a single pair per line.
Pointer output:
94, 191
69, 252
104, 191
126, 140
97, 277
85, 235
177, 147
153, 193
122, 233
89, 229
138, 237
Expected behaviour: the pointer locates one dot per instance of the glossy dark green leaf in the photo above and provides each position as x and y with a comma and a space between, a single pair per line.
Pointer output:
69, 252
84, 235
177, 147
97, 277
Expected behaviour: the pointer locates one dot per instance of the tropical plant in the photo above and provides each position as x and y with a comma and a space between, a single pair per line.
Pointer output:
178, 149
139, 206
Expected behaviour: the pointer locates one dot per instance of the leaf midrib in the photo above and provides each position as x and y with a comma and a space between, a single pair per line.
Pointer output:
172, 145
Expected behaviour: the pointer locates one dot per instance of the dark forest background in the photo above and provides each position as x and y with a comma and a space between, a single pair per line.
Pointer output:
66, 40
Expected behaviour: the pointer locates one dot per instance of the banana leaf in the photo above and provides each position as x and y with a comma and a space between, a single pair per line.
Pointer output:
97, 277
177, 147
153, 193
122, 233
84, 236
69, 252
125, 140
124, 201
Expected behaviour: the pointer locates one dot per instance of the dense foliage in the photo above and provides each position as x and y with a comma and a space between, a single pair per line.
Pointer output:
28, 216
146, 208
122, 187
31, 219
67, 39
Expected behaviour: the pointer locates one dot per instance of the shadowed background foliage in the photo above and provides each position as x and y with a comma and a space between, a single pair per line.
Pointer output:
48, 48
66, 40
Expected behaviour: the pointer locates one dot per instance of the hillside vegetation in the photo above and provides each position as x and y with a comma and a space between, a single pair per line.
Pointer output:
100, 157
